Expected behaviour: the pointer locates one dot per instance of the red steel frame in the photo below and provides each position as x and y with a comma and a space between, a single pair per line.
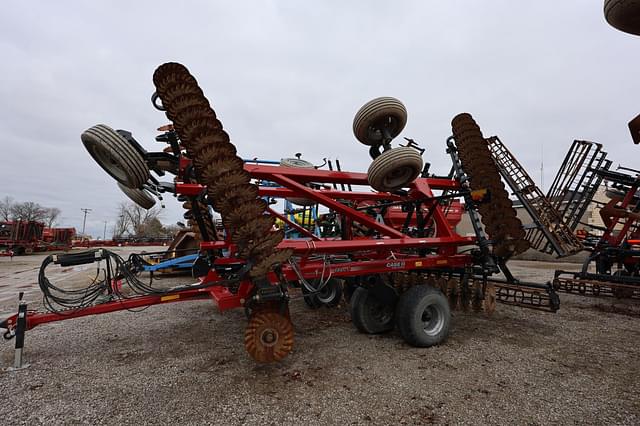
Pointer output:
616, 239
375, 256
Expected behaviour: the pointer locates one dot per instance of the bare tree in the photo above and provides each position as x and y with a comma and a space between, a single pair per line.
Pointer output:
28, 211
170, 230
51, 216
5, 208
122, 224
135, 220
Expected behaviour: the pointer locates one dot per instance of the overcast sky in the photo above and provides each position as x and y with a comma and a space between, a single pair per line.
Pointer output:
288, 76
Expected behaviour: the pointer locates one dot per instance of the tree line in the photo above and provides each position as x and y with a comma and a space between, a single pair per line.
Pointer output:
11, 210
135, 221
132, 220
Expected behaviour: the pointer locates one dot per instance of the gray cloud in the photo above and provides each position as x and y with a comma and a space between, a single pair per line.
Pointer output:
287, 76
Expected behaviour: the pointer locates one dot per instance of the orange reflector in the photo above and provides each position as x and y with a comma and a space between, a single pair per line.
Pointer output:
480, 195
168, 298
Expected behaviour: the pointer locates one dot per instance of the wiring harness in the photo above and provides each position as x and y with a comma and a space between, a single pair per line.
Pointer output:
115, 279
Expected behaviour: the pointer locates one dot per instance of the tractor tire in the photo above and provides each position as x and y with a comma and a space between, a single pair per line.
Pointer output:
303, 164
139, 196
329, 296
116, 156
370, 315
377, 114
623, 15
394, 169
423, 316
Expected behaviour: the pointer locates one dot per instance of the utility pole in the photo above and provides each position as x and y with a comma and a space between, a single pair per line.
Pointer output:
104, 233
84, 221
542, 167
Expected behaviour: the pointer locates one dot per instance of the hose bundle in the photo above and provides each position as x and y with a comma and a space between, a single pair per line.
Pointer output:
116, 279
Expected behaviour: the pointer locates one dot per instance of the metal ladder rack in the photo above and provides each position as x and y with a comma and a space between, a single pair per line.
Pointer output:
550, 232
577, 181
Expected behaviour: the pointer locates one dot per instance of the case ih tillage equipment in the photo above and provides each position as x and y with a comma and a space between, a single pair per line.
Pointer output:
407, 273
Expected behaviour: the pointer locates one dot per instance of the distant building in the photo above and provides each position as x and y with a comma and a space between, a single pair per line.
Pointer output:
590, 217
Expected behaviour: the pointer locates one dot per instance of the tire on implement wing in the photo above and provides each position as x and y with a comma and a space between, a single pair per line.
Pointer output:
116, 156
375, 116
394, 169
141, 197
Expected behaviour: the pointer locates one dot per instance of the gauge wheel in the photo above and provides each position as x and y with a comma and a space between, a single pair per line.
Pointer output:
116, 156
303, 164
623, 15
394, 169
376, 116
141, 197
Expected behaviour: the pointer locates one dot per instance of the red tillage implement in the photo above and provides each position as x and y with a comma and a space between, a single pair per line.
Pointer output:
407, 273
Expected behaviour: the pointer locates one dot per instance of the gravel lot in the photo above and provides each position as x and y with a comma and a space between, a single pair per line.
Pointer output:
185, 364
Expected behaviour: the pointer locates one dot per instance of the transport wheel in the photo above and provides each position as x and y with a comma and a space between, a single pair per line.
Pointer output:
116, 156
394, 169
370, 315
28, 250
423, 316
268, 336
141, 197
378, 116
329, 296
303, 164
623, 15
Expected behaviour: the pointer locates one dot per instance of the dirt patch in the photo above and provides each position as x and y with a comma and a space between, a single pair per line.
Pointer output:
184, 363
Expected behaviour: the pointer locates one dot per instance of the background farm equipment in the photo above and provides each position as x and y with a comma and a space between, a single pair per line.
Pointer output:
26, 237
395, 249
612, 265
612, 268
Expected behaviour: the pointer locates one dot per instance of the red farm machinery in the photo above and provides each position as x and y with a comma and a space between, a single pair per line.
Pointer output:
27, 236
386, 240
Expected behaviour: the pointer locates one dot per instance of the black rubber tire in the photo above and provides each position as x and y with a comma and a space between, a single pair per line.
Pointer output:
395, 169
330, 295
369, 315
303, 164
416, 303
623, 15
377, 114
141, 197
116, 156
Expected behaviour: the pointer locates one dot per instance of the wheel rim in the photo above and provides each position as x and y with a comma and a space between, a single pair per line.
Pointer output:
109, 162
376, 129
327, 294
433, 319
398, 177
382, 313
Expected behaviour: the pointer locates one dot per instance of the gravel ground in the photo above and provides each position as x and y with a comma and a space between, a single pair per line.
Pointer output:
185, 364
